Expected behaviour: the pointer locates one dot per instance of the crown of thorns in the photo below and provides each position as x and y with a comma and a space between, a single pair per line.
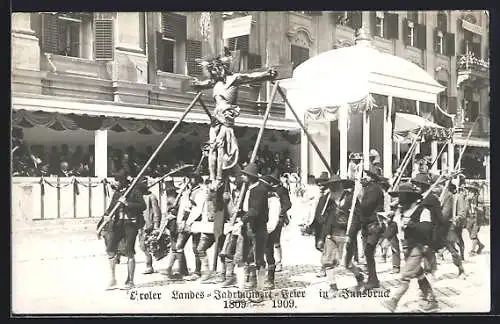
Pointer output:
224, 60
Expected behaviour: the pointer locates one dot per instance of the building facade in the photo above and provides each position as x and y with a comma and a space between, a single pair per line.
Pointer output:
142, 62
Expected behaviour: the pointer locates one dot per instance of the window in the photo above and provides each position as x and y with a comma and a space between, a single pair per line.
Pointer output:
171, 43
472, 44
242, 44
443, 101
61, 34
442, 22
351, 19
414, 34
412, 16
411, 34
471, 107
379, 25
439, 42
298, 55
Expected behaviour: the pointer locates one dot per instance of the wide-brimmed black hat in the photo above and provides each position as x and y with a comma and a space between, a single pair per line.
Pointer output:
347, 183
375, 173
422, 180
322, 178
251, 169
275, 176
473, 187
332, 180
408, 189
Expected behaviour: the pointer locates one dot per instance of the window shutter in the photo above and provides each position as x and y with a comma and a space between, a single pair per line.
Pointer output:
160, 58
357, 20
50, 34
392, 24
254, 61
173, 26
193, 52
406, 32
243, 43
299, 55
373, 23
452, 105
103, 39
450, 44
421, 36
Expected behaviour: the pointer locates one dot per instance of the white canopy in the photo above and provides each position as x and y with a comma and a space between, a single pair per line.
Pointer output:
346, 75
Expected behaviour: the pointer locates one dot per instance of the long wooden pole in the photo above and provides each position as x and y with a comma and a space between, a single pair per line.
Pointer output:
232, 221
455, 169
151, 158
309, 138
406, 159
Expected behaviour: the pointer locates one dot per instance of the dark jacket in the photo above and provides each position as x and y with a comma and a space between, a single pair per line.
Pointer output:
418, 232
447, 206
335, 221
136, 204
391, 230
434, 205
346, 208
257, 215
285, 202
371, 203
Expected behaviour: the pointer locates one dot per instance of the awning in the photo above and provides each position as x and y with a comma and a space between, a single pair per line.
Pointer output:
412, 123
477, 142
407, 126
84, 107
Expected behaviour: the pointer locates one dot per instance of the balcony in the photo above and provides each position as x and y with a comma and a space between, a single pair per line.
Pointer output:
472, 71
481, 130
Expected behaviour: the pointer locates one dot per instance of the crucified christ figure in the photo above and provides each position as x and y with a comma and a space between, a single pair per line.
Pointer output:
223, 146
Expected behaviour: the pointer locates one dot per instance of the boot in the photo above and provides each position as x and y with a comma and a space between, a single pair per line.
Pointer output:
392, 303
149, 264
321, 273
230, 277
205, 270
461, 273
252, 278
112, 282
481, 247
269, 282
277, 257
183, 269
221, 277
129, 283
171, 258
332, 288
360, 280
428, 300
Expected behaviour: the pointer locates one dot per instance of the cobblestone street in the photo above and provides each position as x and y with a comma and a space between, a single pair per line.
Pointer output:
67, 273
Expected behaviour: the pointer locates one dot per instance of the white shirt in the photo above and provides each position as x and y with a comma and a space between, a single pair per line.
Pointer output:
247, 196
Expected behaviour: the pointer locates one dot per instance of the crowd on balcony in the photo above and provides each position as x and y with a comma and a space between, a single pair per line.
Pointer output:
470, 61
62, 161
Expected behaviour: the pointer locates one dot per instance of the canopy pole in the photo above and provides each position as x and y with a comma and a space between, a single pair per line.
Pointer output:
388, 139
434, 156
313, 143
342, 126
366, 140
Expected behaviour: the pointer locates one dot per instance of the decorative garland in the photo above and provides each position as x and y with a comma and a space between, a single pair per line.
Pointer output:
75, 184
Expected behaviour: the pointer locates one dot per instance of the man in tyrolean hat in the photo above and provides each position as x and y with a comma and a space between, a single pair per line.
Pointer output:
417, 227
124, 224
475, 214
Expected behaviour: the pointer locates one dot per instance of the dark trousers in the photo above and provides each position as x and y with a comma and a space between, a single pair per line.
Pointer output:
254, 242
125, 230
371, 235
395, 251
272, 239
206, 242
182, 239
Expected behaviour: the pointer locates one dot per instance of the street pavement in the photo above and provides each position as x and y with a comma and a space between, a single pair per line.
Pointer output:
67, 272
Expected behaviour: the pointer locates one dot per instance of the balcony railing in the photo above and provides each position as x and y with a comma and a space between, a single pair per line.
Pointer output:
469, 62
